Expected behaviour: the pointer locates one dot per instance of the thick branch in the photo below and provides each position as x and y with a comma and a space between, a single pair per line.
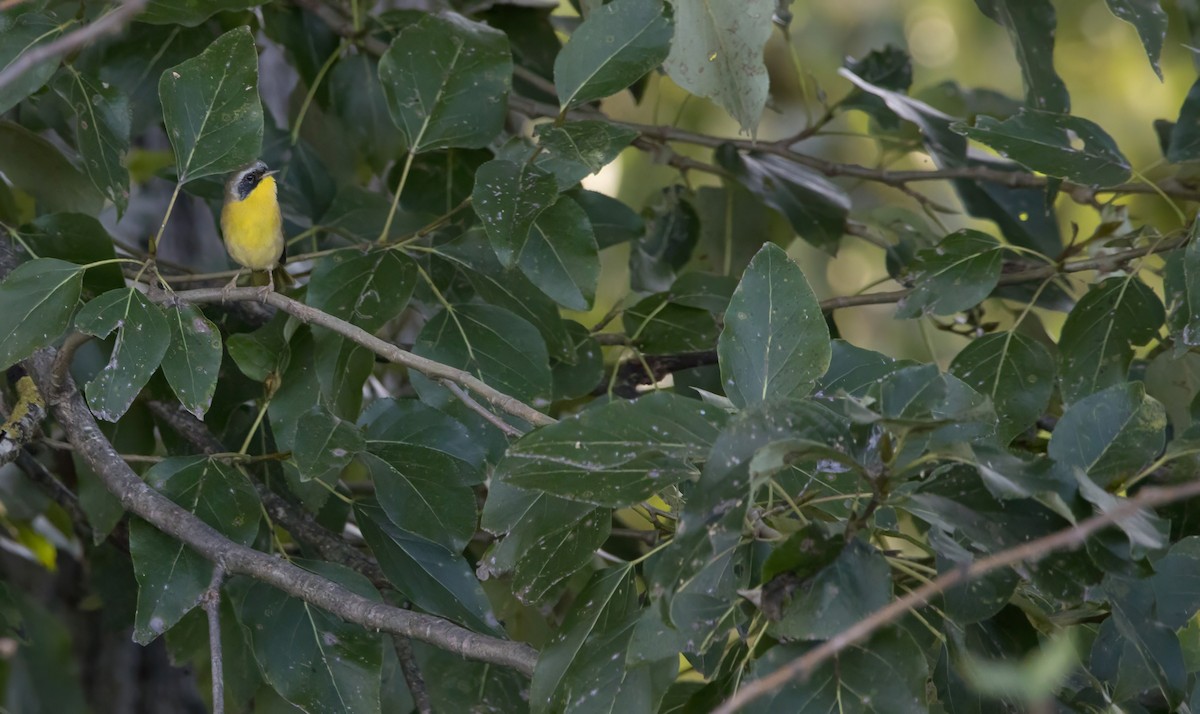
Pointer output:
434, 370
139, 498
1031, 552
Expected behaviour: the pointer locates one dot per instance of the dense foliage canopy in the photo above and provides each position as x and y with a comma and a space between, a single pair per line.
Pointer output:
561, 414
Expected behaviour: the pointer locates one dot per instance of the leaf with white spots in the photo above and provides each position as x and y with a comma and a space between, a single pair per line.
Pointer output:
1110, 435
211, 107
365, 289
1015, 371
447, 80
143, 337
1150, 21
775, 343
616, 454
171, 576
39, 298
508, 198
315, 660
102, 126
324, 444
957, 274
611, 49
424, 491
1031, 26
193, 359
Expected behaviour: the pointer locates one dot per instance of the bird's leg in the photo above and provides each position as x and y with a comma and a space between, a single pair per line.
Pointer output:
267, 289
232, 284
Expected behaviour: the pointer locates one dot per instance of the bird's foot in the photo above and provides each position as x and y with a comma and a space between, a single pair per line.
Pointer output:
225, 291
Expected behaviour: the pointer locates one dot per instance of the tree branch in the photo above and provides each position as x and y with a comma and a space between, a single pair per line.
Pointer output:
434, 370
106, 25
1066, 539
142, 500
211, 601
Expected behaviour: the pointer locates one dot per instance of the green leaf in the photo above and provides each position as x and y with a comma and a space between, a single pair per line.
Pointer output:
19, 36
508, 198
435, 579
576, 149
572, 381
102, 128
357, 99
1015, 371
189, 13
775, 342
1185, 136
1191, 285
76, 238
577, 671
816, 207
853, 586
717, 53
263, 351
424, 491
657, 325
364, 289
143, 337
315, 660
1098, 338
171, 577
39, 169
1044, 142
193, 358
1146, 531
885, 675
854, 370
447, 80
211, 107
546, 539
612, 221
39, 298
561, 257
1112, 434
361, 214
616, 454
1031, 25
667, 244
491, 343
408, 421
1150, 21
1174, 381
956, 275
324, 444
614, 47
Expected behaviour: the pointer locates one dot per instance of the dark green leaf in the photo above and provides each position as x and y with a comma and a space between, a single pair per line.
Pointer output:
1145, 530
855, 370
358, 101
102, 127
361, 214
1150, 20
704, 290
612, 221
615, 454
546, 539
408, 421
657, 325
193, 358
561, 257
956, 275
324, 444
1016, 372
424, 491
39, 298
612, 48
979, 599
211, 107
853, 586
576, 380
437, 580
1111, 434
491, 343
1191, 286
189, 13
143, 337
1045, 142
576, 149
1185, 137
718, 53
365, 289
508, 198
315, 660
76, 238
666, 245
1098, 338
171, 577
447, 80
775, 342
1031, 25
19, 36
1174, 381
259, 353
34, 164
42, 675
885, 675
815, 206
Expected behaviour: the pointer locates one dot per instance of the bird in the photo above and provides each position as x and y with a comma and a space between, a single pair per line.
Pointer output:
252, 223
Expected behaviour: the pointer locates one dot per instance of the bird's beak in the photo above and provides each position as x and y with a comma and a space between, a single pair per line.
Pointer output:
271, 173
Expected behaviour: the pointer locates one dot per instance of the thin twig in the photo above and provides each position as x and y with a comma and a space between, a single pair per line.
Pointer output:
211, 601
108, 24
1066, 539
412, 675
481, 410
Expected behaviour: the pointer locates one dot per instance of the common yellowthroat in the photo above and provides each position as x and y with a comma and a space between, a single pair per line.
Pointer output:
252, 223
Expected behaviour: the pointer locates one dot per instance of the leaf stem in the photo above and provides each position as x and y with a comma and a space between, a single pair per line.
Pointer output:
254, 428
166, 217
312, 91
387, 225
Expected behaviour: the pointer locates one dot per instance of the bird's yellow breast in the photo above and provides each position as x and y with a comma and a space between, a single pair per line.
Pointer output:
253, 227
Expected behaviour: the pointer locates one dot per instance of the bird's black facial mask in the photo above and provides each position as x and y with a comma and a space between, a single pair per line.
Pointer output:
249, 181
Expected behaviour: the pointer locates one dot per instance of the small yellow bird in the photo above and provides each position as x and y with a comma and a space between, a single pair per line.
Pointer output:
252, 223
